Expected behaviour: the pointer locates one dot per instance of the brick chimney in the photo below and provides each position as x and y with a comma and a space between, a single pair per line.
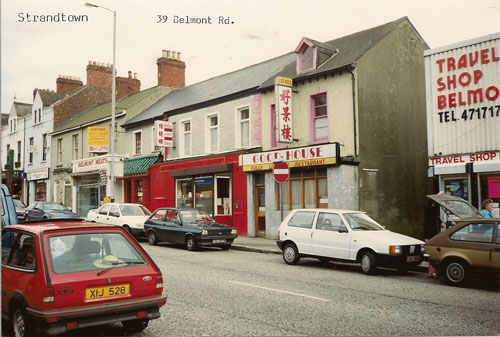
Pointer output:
67, 83
127, 85
99, 74
171, 70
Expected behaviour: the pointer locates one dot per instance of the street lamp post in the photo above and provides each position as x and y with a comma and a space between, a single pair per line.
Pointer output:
113, 103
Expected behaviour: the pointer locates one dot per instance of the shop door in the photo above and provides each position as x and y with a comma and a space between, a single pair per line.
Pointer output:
260, 206
88, 198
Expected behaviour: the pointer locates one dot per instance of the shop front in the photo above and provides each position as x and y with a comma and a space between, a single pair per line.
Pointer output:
215, 185
38, 185
316, 180
91, 183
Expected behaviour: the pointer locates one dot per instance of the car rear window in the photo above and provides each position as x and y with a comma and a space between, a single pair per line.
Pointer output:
71, 253
474, 232
302, 219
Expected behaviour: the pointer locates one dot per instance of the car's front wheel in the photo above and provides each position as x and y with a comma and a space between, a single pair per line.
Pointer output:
20, 323
135, 326
456, 272
291, 254
190, 243
152, 238
368, 263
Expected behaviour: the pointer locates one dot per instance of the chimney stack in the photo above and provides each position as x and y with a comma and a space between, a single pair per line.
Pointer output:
67, 83
171, 70
127, 85
99, 74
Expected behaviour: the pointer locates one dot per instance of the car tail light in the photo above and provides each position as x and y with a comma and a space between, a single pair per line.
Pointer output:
159, 284
49, 298
142, 314
71, 325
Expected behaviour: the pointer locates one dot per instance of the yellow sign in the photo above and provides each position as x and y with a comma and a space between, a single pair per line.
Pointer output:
284, 81
98, 139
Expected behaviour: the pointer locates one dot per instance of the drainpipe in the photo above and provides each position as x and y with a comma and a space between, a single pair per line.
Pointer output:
350, 69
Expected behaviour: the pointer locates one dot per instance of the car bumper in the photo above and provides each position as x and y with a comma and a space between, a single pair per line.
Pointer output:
56, 321
137, 231
280, 244
215, 240
397, 261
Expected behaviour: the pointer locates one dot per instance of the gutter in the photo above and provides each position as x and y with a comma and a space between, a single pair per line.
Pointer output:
353, 77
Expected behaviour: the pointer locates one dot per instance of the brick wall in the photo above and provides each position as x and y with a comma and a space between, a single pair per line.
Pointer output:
171, 70
67, 83
126, 86
99, 74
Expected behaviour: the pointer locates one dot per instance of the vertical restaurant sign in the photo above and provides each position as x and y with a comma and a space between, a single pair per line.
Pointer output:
164, 133
98, 139
284, 123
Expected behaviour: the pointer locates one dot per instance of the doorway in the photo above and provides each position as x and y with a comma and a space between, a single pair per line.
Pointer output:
260, 205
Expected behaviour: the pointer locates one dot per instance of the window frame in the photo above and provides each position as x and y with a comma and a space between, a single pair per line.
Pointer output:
182, 139
137, 150
209, 147
305, 45
59, 151
317, 177
45, 142
75, 146
19, 150
239, 126
312, 118
31, 143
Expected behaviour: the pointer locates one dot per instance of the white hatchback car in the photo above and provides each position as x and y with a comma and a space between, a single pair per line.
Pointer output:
130, 216
349, 236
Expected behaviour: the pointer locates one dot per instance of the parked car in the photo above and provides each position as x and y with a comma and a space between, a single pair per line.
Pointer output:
7, 207
188, 226
470, 247
349, 236
48, 210
60, 276
129, 216
20, 209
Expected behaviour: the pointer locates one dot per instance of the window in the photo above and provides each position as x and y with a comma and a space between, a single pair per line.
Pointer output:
319, 118
22, 254
243, 115
138, 142
35, 114
223, 194
213, 133
475, 232
305, 189
104, 209
39, 115
329, 222
19, 149
59, 151
185, 146
75, 147
32, 142
8, 153
302, 220
45, 149
139, 190
114, 211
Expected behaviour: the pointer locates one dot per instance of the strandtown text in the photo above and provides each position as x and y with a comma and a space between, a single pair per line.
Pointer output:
57, 17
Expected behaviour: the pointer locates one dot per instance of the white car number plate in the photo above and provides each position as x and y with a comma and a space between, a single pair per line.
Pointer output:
219, 241
413, 258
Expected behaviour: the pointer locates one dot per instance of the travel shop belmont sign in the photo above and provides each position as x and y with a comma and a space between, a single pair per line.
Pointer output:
296, 157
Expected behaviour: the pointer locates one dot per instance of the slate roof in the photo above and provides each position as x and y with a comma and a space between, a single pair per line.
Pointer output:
49, 97
135, 166
22, 109
97, 112
350, 49
218, 87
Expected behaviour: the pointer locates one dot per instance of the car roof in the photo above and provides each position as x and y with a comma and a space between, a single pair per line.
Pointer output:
39, 227
332, 210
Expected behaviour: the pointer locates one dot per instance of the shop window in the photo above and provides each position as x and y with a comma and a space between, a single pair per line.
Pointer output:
45, 147
223, 195
457, 187
40, 191
139, 190
319, 118
243, 116
185, 139
138, 142
203, 194
489, 188
59, 151
212, 133
75, 147
32, 143
304, 189
184, 193
211, 194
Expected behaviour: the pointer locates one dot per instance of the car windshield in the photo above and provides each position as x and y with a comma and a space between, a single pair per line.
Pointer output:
78, 252
361, 221
460, 208
18, 203
194, 215
53, 205
131, 210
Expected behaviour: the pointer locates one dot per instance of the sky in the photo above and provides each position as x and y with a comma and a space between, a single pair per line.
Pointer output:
34, 54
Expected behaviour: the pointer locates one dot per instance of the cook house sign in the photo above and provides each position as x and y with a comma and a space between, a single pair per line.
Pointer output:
164, 133
283, 90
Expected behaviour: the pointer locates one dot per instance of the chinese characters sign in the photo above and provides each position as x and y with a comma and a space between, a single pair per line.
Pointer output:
283, 90
163, 134
98, 139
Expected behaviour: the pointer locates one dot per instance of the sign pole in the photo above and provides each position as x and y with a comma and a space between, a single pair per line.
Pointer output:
281, 201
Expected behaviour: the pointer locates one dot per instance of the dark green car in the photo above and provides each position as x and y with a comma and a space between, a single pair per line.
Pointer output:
188, 226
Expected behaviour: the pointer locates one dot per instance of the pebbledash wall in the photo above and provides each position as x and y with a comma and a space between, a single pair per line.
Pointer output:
463, 118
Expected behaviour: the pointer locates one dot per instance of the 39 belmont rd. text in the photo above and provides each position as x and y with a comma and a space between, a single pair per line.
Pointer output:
185, 19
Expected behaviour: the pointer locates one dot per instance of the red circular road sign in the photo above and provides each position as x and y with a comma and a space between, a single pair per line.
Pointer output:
281, 172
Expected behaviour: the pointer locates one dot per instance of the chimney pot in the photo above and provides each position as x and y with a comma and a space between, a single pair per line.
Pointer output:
163, 53
174, 55
178, 56
168, 54
129, 74
135, 76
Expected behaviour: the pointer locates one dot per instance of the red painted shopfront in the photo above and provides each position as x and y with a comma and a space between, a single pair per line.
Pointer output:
215, 184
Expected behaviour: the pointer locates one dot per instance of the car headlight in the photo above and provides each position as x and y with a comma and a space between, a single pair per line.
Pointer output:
394, 249
204, 232
234, 232
422, 249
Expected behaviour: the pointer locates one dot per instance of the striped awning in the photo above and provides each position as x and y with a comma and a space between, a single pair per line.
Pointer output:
135, 166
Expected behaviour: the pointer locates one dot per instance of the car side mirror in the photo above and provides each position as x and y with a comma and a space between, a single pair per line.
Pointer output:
343, 230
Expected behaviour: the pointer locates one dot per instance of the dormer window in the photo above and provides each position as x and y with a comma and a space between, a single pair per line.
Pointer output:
306, 56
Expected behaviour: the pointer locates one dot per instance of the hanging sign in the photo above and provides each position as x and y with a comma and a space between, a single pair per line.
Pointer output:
283, 90
164, 133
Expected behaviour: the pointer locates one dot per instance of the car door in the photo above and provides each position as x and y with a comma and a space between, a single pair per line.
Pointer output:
102, 214
114, 216
157, 223
299, 229
330, 236
36, 212
173, 227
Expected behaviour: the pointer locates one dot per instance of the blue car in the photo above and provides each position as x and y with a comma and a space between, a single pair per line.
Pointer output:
48, 210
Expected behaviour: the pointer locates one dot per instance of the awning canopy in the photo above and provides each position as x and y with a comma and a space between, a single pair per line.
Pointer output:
135, 166
449, 169
486, 166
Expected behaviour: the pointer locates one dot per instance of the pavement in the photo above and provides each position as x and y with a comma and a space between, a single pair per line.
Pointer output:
268, 246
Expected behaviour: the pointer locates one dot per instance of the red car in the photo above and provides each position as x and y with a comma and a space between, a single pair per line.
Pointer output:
63, 275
